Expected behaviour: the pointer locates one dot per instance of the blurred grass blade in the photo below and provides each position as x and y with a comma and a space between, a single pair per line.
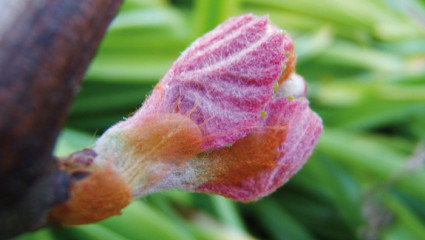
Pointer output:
227, 212
405, 215
342, 188
71, 140
140, 221
43, 234
93, 232
150, 17
344, 53
210, 13
308, 47
279, 223
368, 156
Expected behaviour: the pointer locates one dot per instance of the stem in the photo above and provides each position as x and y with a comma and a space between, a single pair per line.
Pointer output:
46, 46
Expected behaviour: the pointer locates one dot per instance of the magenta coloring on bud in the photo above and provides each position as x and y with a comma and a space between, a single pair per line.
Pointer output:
236, 90
230, 117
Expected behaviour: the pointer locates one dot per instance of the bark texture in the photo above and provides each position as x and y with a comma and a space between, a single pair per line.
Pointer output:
45, 48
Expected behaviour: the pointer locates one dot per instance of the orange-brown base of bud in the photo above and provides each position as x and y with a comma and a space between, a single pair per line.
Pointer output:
100, 195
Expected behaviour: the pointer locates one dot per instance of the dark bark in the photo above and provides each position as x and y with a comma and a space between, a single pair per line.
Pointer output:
45, 48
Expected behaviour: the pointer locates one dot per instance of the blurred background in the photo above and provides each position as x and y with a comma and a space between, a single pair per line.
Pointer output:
364, 61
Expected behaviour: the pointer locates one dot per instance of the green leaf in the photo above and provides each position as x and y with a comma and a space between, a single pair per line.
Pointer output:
140, 221
279, 223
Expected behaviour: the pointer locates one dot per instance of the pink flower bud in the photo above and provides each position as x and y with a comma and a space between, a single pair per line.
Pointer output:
227, 118
202, 128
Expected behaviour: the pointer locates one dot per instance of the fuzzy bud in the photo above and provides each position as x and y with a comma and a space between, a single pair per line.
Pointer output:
220, 121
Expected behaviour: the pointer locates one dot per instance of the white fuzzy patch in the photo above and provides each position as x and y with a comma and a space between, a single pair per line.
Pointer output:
186, 176
294, 86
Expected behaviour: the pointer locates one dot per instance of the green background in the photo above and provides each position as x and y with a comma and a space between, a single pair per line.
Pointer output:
364, 61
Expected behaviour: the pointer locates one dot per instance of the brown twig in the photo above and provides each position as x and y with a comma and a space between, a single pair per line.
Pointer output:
45, 48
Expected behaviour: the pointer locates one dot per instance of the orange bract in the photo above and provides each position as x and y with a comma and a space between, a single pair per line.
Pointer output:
100, 195
172, 138
289, 66
247, 157
168, 138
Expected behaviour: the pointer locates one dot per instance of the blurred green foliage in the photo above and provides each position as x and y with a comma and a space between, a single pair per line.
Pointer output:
365, 64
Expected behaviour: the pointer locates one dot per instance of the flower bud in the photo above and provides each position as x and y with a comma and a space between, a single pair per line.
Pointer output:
226, 119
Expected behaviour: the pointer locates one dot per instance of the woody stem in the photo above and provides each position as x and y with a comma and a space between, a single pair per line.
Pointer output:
45, 48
